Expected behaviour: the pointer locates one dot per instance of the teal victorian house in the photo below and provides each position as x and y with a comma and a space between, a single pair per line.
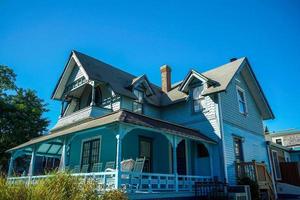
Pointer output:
152, 141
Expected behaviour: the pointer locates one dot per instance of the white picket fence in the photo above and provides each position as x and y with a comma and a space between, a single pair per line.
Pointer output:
132, 182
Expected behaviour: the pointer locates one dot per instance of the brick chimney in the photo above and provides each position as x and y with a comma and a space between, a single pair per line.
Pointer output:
165, 71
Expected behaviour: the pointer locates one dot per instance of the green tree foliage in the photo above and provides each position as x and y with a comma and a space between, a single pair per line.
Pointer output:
21, 114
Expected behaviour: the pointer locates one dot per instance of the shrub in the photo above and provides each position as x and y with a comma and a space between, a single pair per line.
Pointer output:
113, 195
59, 186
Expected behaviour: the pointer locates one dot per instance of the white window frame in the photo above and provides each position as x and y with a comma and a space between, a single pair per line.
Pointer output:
276, 138
201, 100
274, 166
239, 89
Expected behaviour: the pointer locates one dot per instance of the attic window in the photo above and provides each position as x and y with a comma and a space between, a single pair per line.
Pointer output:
199, 102
241, 100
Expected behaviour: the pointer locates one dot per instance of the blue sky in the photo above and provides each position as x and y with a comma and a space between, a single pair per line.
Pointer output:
139, 36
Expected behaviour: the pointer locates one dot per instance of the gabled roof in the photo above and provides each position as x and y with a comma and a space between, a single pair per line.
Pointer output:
127, 117
218, 80
222, 75
143, 80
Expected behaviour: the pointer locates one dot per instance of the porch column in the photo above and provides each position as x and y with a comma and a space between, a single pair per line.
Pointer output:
93, 94
11, 166
174, 144
62, 164
32, 162
118, 161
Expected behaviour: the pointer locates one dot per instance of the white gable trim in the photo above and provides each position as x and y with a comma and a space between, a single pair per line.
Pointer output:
66, 74
192, 74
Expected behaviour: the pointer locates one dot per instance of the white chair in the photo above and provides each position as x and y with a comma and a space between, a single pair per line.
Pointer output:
97, 167
135, 176
85, 168
76, 169
110, 166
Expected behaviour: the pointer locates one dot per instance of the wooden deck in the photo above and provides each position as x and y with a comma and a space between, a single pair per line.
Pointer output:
258, 173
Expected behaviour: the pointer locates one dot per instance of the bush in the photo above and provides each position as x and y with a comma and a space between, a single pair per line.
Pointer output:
60, 186
253, 187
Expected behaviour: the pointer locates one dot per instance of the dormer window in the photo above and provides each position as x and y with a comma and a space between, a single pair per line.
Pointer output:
137, 105
198, 100
98, 96
241, 100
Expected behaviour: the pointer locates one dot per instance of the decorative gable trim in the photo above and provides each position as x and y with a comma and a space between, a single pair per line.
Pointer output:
187, 80
61, 84
143, 80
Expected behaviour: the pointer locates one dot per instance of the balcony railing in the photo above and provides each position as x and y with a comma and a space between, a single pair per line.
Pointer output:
80, 115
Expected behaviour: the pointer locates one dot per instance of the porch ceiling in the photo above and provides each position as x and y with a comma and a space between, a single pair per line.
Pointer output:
126, 117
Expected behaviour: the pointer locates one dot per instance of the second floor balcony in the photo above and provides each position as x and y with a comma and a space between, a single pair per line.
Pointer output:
81, 115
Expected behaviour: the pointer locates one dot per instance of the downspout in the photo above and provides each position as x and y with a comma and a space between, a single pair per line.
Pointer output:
271, 169
222, 135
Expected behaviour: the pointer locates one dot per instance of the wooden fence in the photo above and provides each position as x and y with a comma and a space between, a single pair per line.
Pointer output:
290, 172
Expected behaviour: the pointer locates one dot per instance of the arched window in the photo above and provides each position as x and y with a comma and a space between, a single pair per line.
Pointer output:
98, 96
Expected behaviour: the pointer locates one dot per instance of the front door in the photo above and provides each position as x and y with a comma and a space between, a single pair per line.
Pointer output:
145, 150
181, 158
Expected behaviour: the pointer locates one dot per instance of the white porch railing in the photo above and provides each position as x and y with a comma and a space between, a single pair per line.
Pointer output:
132, 182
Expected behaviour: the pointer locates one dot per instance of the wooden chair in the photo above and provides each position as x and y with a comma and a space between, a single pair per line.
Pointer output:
135, 177
139, 165
97, 167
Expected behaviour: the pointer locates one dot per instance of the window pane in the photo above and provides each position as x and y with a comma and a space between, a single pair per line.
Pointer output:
197, 105
137, 107
241, 95
197, 92
242, 107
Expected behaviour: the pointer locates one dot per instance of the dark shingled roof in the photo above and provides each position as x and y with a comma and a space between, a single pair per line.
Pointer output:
123, 116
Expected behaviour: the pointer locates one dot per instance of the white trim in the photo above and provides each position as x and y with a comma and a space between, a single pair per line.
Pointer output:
273, 162
238, 88
188, 78
88, 139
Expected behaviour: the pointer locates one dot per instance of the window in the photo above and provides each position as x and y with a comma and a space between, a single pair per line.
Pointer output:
279, 141
90, 152
137, 105
198, 100
276, 165
98, 96
238, 149
241, 101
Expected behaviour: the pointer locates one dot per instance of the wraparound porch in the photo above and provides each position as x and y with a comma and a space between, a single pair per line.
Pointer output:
174, 158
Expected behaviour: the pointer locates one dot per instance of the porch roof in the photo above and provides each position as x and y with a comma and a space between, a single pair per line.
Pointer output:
122, 116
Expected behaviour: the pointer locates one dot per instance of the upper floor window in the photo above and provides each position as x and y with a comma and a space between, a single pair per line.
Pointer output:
98, 96
241, 100
137, 106
278, 141
198, 100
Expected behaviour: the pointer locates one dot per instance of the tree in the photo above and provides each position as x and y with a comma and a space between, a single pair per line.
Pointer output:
21, 114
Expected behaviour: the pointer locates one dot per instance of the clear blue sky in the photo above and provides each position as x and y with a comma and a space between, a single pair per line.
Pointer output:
138, 36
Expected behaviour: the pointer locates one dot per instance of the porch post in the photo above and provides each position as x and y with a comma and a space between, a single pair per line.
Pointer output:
11, 166
62, 164
32, 163
93, 94
118, 161
174, 144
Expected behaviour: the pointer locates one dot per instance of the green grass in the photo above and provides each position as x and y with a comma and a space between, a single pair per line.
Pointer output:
60, 186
